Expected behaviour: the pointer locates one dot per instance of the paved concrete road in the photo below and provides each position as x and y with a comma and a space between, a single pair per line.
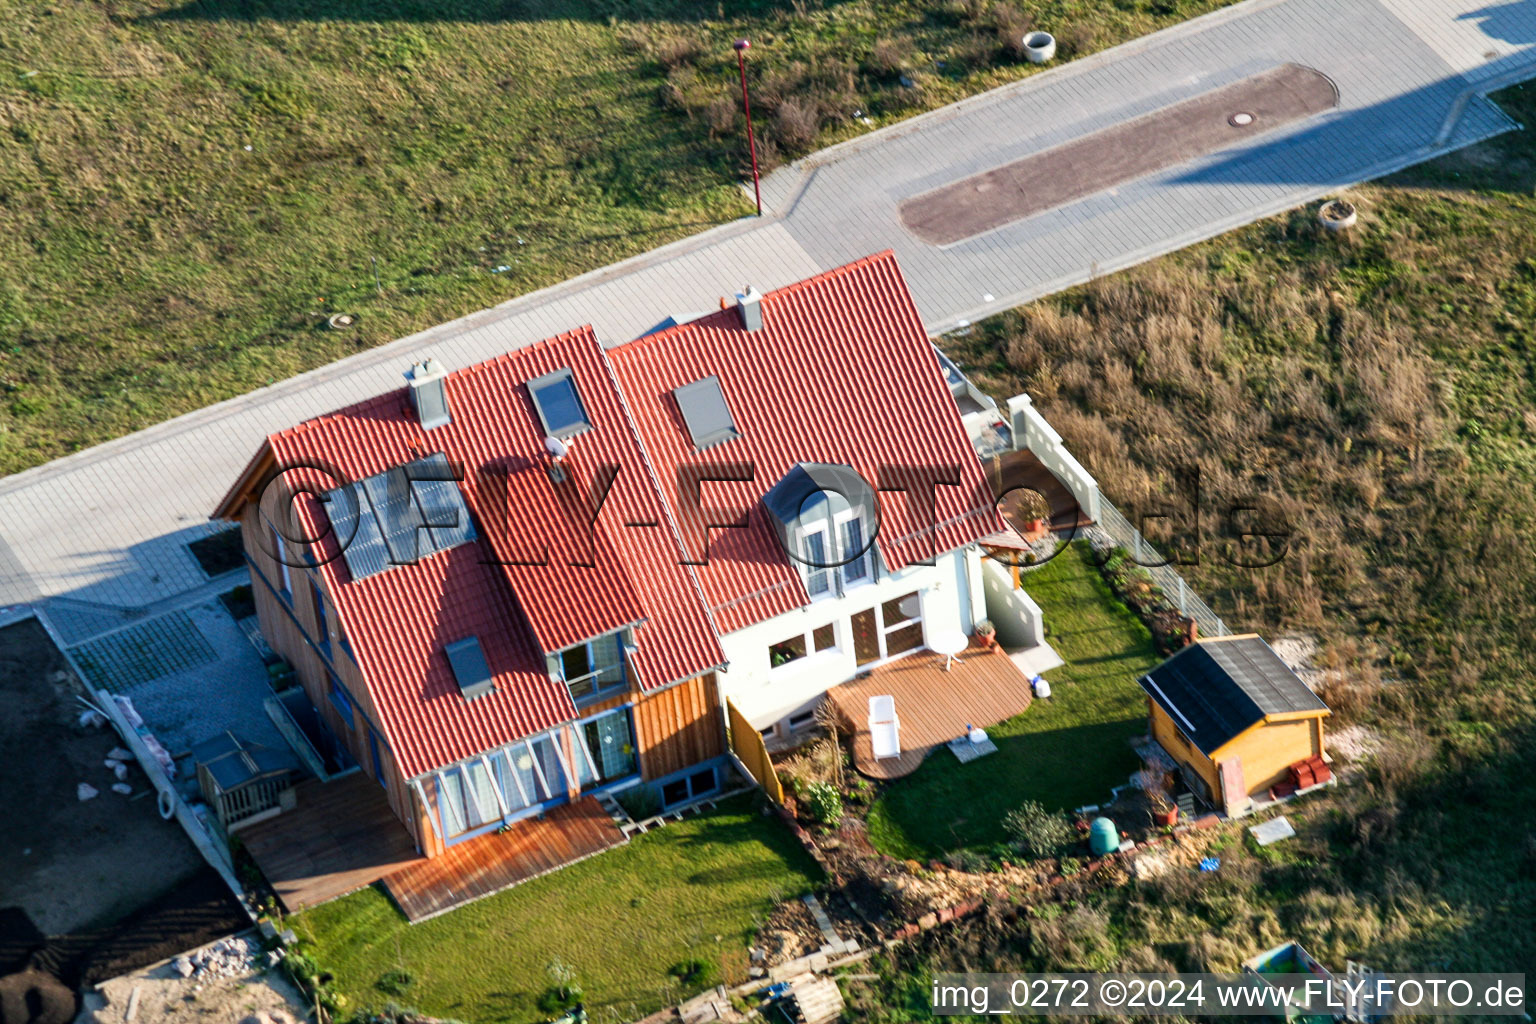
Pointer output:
106, 529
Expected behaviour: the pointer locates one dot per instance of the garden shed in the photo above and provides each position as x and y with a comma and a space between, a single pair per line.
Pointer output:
1235, 718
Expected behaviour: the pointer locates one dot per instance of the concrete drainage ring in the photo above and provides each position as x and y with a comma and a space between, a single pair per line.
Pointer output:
1039, 47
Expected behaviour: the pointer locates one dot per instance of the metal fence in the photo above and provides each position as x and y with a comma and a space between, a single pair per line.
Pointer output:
1114, 529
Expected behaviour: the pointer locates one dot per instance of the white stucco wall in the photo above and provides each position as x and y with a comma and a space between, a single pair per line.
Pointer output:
952, 596
1018, 619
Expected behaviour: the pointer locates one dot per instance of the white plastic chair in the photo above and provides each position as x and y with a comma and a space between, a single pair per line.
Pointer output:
884, 727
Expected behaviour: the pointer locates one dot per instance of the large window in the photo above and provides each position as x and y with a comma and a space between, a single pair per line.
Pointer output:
592, 669
856, 567
501, 784
322, 627
280, 553
607, 746
818, 577
341, 700
786, 651
792, 649
895, 627
901, 621
689, 787
847, 547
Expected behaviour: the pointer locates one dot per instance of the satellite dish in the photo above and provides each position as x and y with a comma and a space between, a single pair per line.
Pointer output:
556, 447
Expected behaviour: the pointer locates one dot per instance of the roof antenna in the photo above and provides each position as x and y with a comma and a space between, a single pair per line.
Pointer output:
557, 450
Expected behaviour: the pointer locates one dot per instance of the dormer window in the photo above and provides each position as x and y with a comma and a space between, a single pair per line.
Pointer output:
824, 533
592, 669
705, 413
558, 404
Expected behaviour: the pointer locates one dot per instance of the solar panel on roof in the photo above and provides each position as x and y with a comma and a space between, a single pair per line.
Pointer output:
442, 503
357, 531
469, 667
389, 518
705, 412
398, 517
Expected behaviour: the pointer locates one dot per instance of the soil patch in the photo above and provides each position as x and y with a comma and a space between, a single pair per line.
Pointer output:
73, 864
1104, 159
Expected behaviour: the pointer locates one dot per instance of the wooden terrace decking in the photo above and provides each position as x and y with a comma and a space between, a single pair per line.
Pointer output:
341, 836
1023, 468
487, 864
982, 688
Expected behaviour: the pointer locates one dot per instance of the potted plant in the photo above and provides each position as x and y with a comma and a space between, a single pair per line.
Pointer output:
1033, 511
986, 634
1152, 780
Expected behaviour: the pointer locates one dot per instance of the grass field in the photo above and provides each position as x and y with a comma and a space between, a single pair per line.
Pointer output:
189, 190
697, 889
1064, 752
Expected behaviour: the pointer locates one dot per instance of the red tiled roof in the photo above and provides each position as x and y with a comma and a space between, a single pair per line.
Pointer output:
842, 372
398, 621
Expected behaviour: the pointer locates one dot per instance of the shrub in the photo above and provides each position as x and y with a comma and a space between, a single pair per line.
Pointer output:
639, 803
395, 983
823, 802
886, 58
1037, 832
722, 115
677, 51
693, 972
795, 124
969, 861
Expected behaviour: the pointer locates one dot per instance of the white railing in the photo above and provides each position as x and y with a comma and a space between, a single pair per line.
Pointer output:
1030, 430
1112, 528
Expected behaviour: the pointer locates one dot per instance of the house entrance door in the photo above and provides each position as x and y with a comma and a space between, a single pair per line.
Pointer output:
866, 637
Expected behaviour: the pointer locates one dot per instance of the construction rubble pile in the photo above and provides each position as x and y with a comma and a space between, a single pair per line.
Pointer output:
227, 958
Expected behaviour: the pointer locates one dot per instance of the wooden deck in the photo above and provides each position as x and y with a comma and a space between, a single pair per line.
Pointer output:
342, 836
1024, 469
487, 864
933, 706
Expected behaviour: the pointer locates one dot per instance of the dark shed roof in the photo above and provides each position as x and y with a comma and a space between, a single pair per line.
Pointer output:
1214, 689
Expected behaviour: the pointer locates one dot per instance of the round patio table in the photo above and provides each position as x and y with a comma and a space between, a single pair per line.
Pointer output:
950, 643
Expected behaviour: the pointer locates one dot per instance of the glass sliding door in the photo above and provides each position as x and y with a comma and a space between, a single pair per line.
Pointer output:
606, 749
901, 619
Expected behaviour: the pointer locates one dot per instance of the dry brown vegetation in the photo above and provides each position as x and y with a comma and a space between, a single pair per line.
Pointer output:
1373, 395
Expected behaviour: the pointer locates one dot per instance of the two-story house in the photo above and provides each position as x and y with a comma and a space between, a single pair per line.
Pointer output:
542, 576
854, 536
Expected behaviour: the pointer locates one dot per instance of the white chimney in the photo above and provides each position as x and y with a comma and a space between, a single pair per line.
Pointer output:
429, 393
750, 301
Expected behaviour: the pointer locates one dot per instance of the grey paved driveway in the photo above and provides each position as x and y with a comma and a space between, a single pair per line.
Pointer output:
1407, 72
105, 530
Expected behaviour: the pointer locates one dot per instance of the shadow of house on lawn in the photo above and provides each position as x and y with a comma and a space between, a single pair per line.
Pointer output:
465, 11
946, 805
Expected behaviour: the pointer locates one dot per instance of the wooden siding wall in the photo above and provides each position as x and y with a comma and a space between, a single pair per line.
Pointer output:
679, 726
1265, 751
1187, 754
747, 742
1270, 749
292, 640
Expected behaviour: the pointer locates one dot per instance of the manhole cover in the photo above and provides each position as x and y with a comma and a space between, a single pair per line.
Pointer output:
1241, 119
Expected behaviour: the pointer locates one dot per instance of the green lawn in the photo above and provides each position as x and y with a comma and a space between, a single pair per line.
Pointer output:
189, 187
695, 889
1064, 752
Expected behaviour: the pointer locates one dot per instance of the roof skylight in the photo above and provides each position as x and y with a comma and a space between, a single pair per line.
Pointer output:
558, 404
704, 411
